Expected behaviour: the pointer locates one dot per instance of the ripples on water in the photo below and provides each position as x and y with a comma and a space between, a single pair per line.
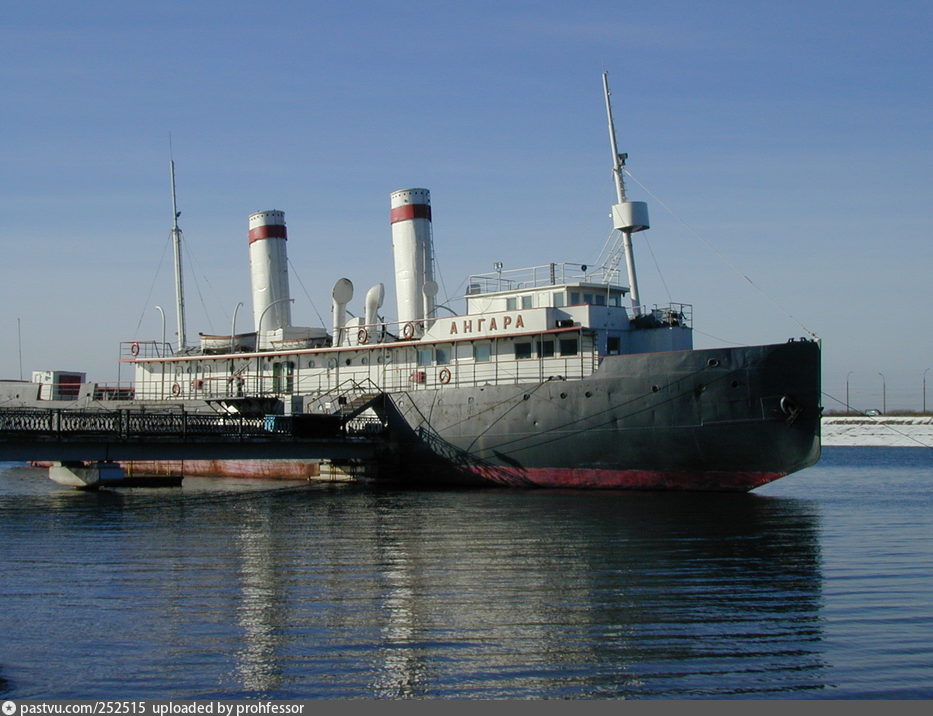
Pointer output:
816, 586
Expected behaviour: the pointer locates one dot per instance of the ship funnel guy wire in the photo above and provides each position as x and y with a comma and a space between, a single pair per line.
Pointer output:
627, 216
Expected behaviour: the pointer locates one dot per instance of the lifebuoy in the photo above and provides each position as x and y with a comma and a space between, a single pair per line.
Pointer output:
444, 376
197, 384
134, 349
362, 336
408, 331
176, 389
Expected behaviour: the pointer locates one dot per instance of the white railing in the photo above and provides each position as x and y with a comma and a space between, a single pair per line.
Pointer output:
533, 277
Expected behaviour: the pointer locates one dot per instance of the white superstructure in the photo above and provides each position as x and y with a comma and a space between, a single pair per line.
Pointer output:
557, 320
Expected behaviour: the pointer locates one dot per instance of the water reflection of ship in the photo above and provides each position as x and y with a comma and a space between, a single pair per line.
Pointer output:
480, 594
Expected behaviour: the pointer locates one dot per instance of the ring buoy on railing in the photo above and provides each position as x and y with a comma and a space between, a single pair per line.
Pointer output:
176, 389
444, 376
197, 384
362, 336
408, 331
134, 349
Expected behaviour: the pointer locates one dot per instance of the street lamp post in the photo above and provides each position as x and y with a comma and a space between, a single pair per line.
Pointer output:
884, 395
263, 315
161, 349
233, 328
848, 408
925, 390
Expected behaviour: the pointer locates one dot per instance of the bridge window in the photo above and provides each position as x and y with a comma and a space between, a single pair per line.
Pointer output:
526, 301
569, 346
574, 298
559, 299
599, 300
442, 355
613, 345
425, 356
522, 351
511, 304
545, 349
482, 352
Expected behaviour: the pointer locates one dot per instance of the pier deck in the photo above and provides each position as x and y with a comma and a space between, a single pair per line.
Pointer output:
68, 435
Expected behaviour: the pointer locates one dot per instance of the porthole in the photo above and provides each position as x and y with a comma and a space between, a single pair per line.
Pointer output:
310, 363
712, 363
525, 396
364, 361
736, 384
588, 394
563, 395
655, 388
348, 361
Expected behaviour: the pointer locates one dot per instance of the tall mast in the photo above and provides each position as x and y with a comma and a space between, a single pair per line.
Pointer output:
628, 216
179, 284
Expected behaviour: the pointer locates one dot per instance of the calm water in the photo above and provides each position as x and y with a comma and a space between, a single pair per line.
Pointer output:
817, 586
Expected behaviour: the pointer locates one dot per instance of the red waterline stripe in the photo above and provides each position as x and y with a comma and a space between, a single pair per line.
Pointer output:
269, 231
410, 211
718, 480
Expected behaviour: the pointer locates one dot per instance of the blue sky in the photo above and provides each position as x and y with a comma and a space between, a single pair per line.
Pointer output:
792, 136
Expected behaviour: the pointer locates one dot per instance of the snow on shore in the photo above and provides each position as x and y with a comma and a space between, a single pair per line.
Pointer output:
880, 431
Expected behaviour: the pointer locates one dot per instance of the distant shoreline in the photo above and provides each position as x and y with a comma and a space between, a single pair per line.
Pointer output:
878, 431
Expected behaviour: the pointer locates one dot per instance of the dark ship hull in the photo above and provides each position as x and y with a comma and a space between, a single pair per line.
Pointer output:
720, 419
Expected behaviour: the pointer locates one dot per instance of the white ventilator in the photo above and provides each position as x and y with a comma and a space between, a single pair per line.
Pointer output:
342, 295
374, 299
268, 268
413, 250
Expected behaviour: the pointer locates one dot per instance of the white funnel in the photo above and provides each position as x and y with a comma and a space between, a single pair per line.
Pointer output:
268, 267
413, 250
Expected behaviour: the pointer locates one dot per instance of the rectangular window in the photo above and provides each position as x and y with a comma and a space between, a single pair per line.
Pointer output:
482, 352
425, 356
613, 345
614, 300
522, 351
511, 304
599, 299
545, 349
587, 298
559, 299
526, 301
568, 347
574, 298
442, 355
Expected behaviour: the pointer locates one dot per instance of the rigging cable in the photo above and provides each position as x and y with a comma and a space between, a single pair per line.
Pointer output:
307, 295
721, 255
197, 285
152, 286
